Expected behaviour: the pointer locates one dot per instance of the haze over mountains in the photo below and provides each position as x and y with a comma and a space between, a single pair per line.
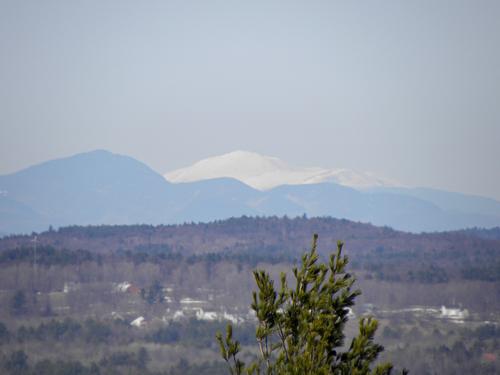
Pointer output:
100, 187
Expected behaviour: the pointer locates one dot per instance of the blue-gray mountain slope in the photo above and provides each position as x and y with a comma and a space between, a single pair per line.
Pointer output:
104, 188
92, 188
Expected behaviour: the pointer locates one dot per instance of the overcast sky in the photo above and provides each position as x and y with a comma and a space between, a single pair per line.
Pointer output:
408, 90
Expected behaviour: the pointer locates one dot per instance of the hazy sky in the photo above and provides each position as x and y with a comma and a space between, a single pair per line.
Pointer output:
407, 89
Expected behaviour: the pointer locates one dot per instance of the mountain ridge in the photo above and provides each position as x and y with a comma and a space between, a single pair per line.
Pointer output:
100, 187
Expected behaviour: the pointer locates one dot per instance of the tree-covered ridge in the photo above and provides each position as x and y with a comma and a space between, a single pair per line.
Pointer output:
251, 232
383, 253
48, 255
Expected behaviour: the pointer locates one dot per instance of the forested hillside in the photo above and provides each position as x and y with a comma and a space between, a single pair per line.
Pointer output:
130, 299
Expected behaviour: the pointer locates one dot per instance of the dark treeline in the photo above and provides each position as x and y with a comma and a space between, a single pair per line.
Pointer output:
414, 266
68, 330
381, 264
452, 351
199, 333
485, 272
448, 349
48, 256
118, 363
191, 332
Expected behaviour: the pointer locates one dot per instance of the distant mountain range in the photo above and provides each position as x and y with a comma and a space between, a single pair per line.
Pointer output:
100, 187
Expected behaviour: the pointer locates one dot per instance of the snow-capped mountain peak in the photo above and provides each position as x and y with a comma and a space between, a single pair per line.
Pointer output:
265, 172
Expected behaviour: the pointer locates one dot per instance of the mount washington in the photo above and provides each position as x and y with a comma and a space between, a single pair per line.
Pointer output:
265, 172
100, 187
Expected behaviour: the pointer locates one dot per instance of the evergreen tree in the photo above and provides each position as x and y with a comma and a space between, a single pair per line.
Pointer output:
301, 329
154, 294
18, 303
